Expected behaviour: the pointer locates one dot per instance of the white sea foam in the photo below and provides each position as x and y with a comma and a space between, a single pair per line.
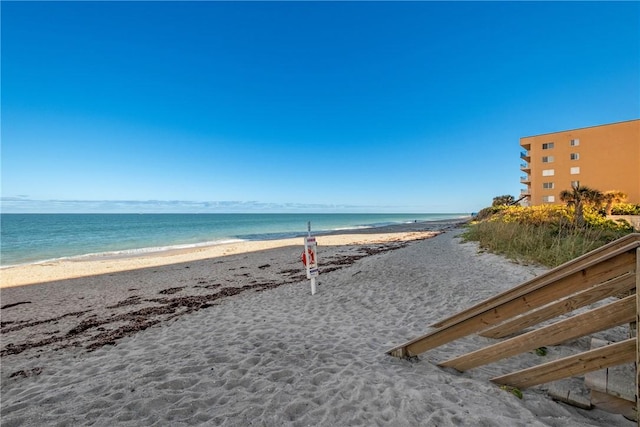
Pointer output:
357, 227
126, 253
155, 249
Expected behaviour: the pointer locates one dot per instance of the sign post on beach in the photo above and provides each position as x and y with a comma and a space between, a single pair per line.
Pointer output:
310, 258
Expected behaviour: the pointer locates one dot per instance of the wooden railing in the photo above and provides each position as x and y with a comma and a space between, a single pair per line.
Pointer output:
611, 270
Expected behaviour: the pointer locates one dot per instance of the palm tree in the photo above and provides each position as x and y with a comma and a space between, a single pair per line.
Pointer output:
612, 197
578, 197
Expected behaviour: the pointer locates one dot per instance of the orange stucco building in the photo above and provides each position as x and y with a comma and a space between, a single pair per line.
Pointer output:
605, 157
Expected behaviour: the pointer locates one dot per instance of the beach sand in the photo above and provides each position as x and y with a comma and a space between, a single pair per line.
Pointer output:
238, 340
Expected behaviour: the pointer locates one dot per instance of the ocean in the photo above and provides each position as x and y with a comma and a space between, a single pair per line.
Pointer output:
33, 238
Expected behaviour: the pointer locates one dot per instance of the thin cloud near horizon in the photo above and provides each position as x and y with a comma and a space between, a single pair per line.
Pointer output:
24, 204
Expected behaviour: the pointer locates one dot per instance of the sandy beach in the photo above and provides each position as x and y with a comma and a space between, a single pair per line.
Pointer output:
231, 336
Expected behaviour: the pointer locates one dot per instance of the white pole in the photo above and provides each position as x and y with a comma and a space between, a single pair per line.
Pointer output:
313, 279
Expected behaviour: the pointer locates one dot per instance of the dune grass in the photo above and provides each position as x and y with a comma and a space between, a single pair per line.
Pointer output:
541, 236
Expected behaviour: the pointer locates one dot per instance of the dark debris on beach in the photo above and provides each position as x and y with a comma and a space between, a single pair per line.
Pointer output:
92, 332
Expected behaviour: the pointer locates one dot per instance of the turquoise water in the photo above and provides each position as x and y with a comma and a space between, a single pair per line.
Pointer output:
30, 238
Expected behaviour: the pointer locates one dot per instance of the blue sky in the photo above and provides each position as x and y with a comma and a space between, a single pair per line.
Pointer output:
294, 106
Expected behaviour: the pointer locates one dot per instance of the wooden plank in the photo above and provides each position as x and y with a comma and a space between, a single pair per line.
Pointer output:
607, 270
614, 405
618, 381
592, 360
588, 296
624, 244
607, 316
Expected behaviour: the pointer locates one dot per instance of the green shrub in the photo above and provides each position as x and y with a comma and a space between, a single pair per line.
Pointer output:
513, 390
594, 219
625, 209
488, 212
541, 351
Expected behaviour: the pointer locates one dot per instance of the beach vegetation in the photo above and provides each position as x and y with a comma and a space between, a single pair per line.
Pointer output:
579, 197
625, 209
549, 235
513, 390
611, 198
541, 351
504, 200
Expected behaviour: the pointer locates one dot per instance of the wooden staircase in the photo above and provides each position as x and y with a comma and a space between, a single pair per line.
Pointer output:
609, 271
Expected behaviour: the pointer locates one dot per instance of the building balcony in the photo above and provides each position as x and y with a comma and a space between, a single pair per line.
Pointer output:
525, 192
525, 156
525, 179
525, 167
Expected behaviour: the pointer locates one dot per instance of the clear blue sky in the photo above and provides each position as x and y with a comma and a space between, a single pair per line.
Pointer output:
289, 106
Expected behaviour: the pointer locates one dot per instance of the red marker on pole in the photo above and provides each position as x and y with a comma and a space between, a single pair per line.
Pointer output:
310, 258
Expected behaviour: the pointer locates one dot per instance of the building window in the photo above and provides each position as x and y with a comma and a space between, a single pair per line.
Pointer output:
575, 142
575, 170
547, 185
548, 199
547, 145
575, 156
547, 159
548, 172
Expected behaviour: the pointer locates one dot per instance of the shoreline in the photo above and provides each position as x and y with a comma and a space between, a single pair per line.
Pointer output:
91, 265
37, 239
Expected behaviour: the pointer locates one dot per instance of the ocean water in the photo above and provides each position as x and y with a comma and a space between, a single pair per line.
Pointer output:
32, 238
